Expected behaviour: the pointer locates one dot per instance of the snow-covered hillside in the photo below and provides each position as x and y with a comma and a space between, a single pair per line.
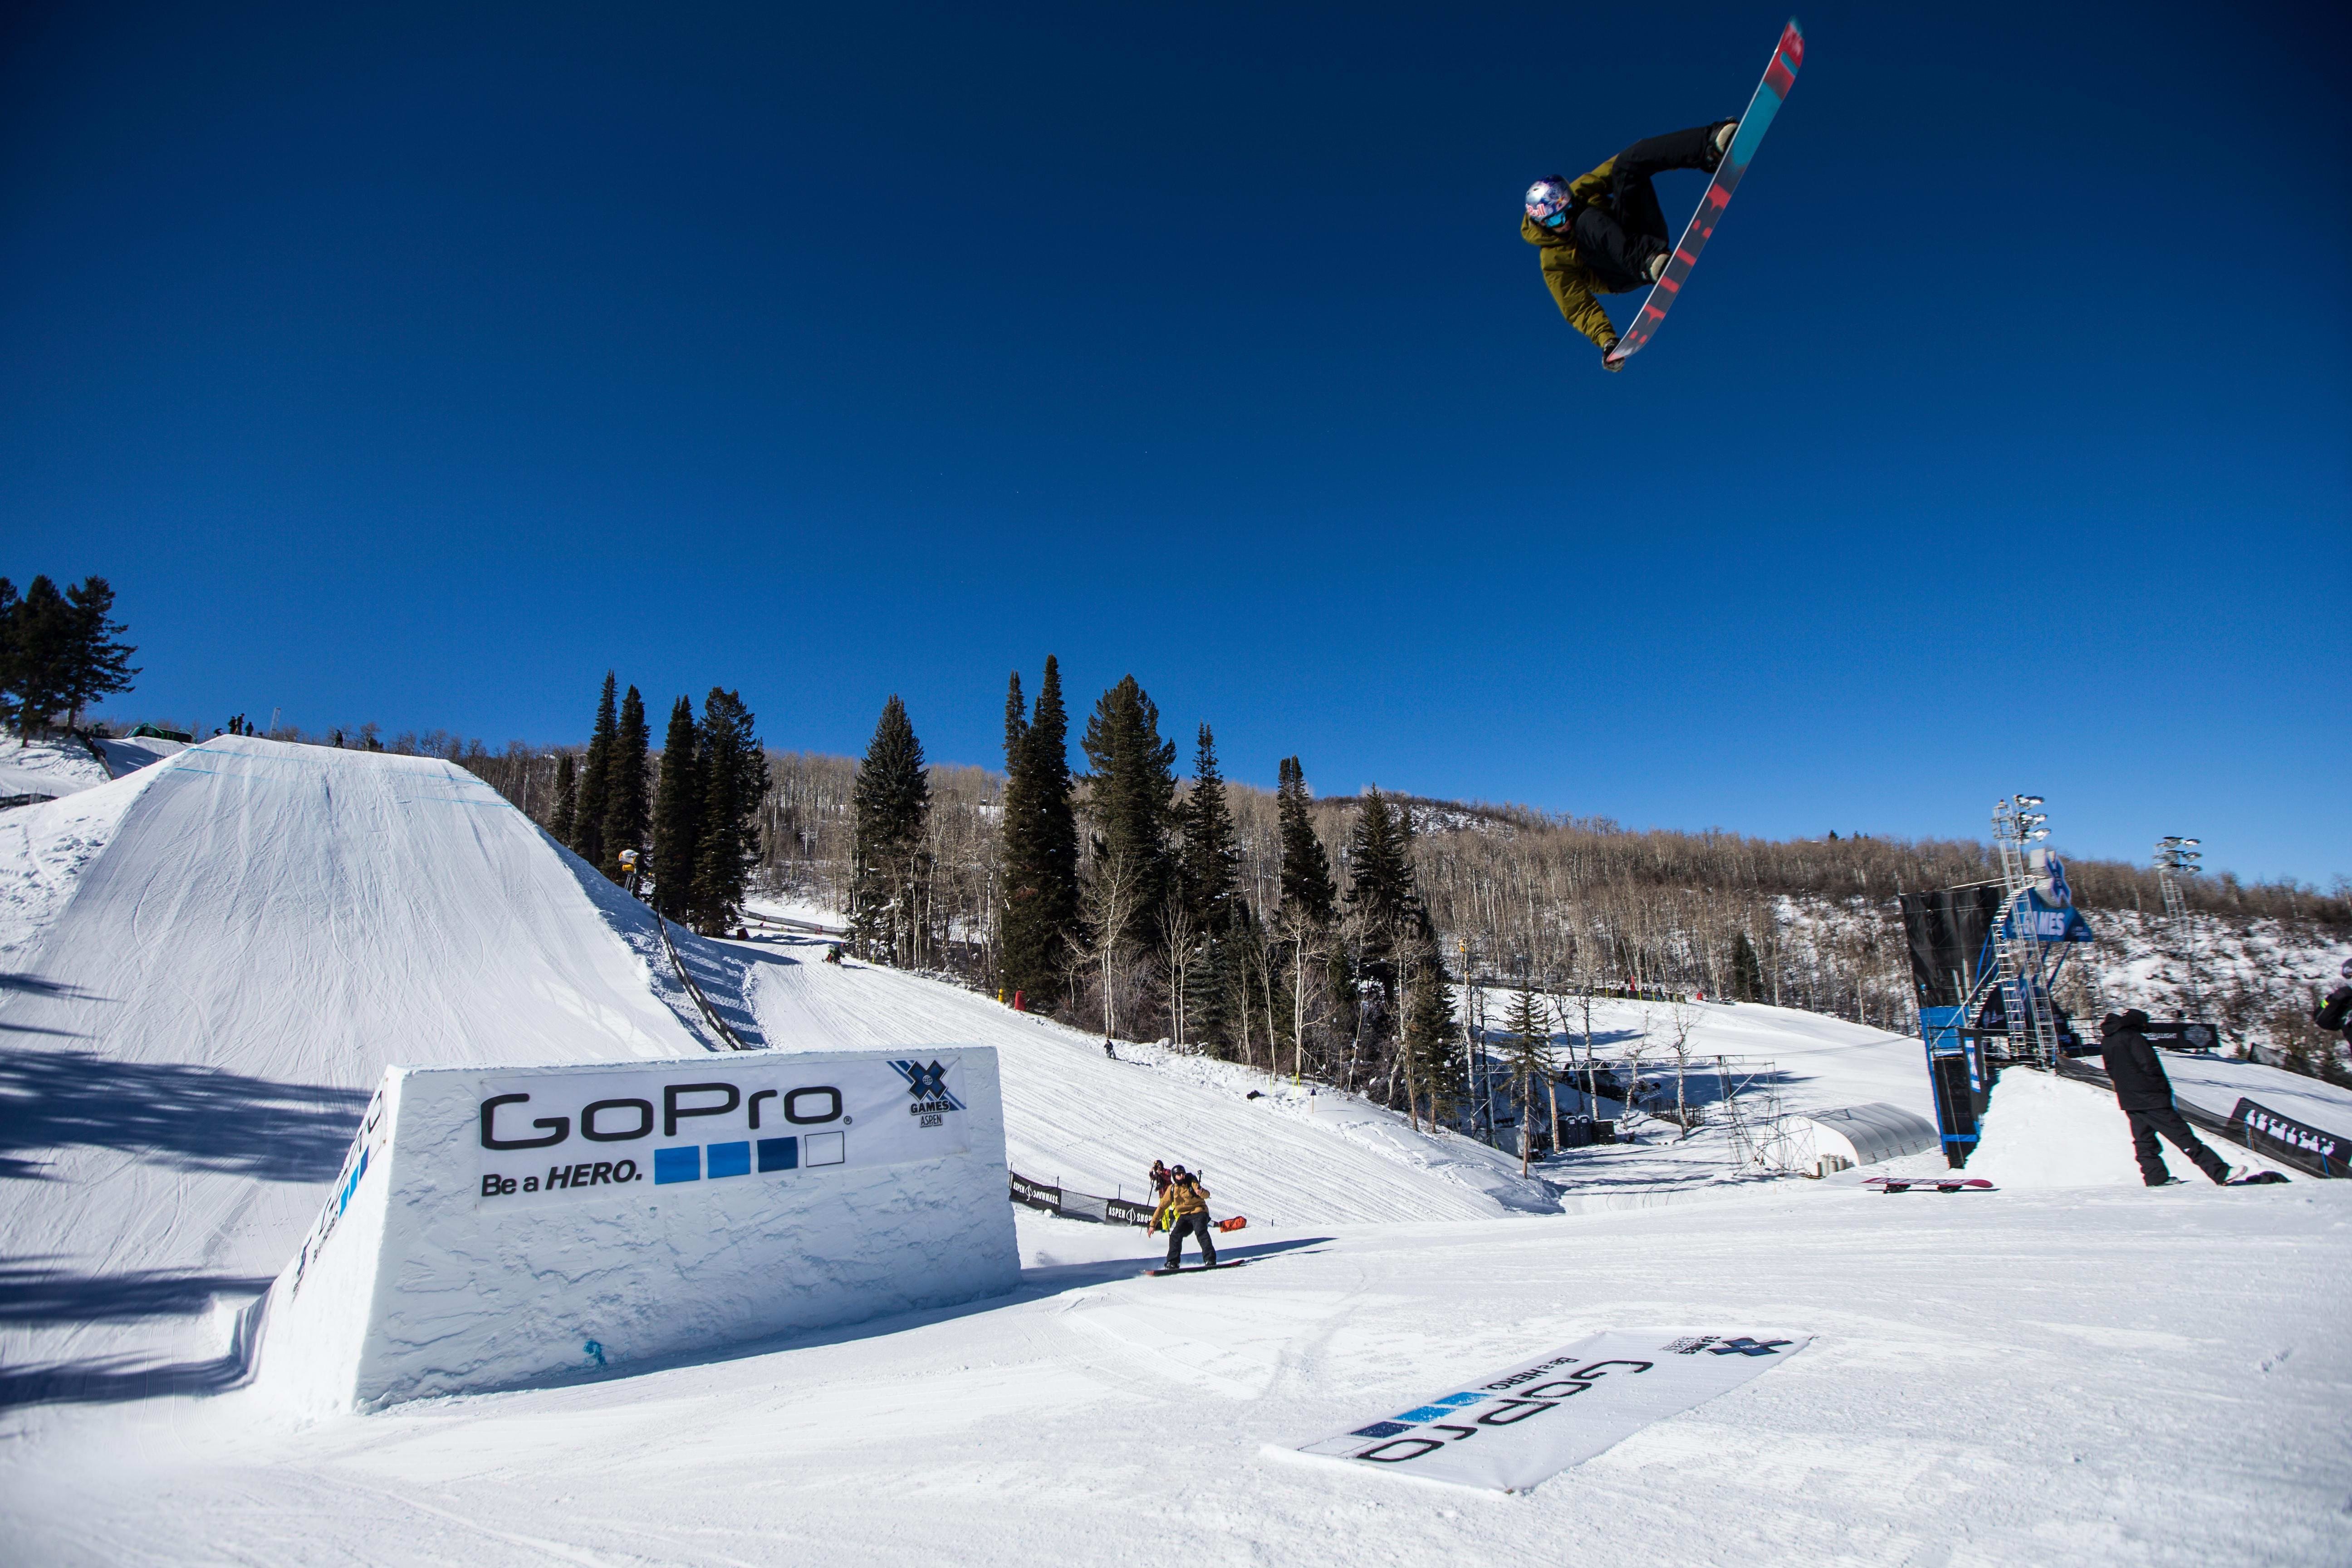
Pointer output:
207, 963
60, 768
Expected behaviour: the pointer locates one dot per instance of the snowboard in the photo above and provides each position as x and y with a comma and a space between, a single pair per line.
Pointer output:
1780, 76
1941, 1184
1196, 1268
2259, 1179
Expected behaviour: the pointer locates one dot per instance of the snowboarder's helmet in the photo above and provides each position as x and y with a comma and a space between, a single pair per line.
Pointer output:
2347, 970
1548, 201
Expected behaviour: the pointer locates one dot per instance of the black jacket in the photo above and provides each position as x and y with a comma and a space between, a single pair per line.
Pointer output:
2335, 1012
2131, 1062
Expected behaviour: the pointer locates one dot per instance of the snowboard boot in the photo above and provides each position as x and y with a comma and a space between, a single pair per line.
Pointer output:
1719, 142
1657, 267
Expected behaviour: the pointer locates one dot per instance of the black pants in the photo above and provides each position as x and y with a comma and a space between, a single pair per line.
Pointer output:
1198, 1224
2147, 1124
1617, 238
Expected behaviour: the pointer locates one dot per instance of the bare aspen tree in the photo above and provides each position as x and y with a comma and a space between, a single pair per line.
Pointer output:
1108, 904
1176, 945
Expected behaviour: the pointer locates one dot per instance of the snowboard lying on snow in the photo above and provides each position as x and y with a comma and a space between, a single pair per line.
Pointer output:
1941, 1184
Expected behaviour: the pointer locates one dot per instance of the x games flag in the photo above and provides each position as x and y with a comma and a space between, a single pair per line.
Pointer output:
1527, 1425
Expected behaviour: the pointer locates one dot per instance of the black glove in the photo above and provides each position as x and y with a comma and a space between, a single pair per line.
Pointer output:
1609, 360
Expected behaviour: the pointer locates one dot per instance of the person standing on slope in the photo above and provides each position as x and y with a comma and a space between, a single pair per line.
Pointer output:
1605, 232
2145, 1093
1187, 1204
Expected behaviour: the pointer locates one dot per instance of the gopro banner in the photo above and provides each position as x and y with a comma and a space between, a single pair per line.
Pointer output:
1529, 1424
767, 1117
499, 1226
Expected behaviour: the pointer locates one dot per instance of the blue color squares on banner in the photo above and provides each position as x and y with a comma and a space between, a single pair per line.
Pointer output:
728, 1160
677, 1165
779, 1153
1382, 1429
1426, 1413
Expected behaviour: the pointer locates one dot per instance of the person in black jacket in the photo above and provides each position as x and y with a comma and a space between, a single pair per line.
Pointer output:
2145, 1096
2335, 1012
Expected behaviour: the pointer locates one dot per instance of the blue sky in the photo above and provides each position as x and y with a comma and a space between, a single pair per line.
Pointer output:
417, 363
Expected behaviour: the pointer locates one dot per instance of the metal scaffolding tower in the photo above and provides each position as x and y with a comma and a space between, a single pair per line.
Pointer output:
2031, 1023
2176, 857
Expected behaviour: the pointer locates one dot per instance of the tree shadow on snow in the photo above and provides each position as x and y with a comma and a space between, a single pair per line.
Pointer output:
185, 1117
39, 1295
111, 1379
31, 1294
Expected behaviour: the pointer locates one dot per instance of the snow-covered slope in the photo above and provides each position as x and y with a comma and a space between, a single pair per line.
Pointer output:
2119, 1379
60, 768
1075, 1118
46, 767
213, 958
210, 962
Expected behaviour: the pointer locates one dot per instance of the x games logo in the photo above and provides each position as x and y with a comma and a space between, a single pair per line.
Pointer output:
928, 1087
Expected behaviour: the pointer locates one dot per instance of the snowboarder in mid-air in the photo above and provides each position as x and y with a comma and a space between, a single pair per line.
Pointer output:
1605, 232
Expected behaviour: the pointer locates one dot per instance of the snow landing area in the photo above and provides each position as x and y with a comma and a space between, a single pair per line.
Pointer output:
213, 959
2084, 1377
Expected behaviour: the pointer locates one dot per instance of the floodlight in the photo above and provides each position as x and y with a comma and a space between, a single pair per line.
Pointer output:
2192, 841
2038, 833
2029, 800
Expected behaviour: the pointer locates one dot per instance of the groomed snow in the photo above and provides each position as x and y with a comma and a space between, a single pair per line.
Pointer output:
2021, 1378
216, 956
210, 963
46, 767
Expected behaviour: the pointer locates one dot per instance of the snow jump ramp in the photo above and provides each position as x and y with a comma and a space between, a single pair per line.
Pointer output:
502, 1226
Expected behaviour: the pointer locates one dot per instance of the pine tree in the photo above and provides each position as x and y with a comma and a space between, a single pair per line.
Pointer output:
1206, 868
42, 635
734, 775
1747, 970
1429, 1041
1212, 858
1526, 1050
891, 803
9, 659
678, 815
1379, 887
1040, 844
1307, 894
567, 795
627, 811
596, 780
97, 666
1134, 795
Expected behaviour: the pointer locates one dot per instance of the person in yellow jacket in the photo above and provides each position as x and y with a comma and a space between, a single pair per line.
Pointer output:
1186, 1209
1605, 232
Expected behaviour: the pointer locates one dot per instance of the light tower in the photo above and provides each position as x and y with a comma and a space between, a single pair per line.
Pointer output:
2176, 857
2024, 989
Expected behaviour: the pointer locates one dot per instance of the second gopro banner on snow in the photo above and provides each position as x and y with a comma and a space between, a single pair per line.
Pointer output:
553, 1134
1529, 1424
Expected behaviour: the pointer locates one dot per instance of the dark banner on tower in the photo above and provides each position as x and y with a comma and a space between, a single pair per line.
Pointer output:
1946, 929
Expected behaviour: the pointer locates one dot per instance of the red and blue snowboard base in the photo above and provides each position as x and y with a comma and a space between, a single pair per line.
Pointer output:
1779, 77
